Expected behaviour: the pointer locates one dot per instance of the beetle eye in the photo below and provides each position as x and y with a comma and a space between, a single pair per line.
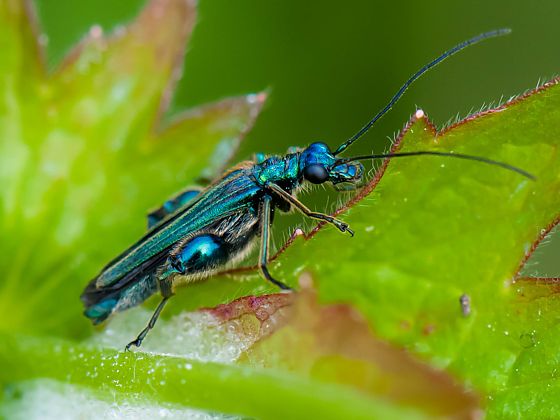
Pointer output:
316, 174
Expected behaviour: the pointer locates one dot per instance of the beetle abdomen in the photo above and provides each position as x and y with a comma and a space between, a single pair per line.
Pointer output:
100, 303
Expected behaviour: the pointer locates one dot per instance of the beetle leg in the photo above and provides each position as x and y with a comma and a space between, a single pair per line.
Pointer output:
196, 257
138, 341
171, 206
340, 225
266, 209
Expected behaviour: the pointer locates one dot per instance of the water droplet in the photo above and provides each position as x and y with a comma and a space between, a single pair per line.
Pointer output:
96, 31
43, 40
527, 340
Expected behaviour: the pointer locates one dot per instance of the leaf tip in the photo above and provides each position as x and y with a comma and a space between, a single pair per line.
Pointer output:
256, 101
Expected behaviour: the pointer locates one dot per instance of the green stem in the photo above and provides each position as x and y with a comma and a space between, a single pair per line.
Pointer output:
261, 393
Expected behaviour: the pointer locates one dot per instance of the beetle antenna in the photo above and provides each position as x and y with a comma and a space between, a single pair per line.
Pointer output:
394, 99
446, 154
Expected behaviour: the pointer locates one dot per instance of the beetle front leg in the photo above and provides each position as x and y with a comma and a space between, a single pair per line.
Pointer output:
339, 224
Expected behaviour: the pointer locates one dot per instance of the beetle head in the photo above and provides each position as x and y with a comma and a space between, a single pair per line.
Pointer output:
318, 165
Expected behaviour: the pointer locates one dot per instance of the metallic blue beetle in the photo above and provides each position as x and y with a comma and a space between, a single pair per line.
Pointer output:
199, 232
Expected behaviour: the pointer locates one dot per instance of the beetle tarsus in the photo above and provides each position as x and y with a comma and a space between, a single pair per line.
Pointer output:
138, 341
271, 279
343, 227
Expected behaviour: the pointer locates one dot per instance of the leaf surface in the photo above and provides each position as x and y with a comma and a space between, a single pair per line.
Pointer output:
433, 268
84, 154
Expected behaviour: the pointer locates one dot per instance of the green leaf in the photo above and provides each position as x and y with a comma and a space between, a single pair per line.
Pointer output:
432, 230
229, 389
84, 153
333, 344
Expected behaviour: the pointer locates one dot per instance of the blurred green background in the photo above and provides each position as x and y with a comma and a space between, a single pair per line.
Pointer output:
331, 65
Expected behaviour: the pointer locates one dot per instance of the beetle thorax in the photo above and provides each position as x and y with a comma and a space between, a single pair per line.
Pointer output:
281, 170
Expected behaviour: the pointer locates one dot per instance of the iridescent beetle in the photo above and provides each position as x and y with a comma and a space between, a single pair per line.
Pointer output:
199, 232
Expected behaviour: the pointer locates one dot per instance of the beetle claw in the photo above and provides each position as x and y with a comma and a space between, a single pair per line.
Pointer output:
135, 343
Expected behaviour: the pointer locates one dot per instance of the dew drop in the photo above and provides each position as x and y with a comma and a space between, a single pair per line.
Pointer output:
43, 40
96, 31
527, 340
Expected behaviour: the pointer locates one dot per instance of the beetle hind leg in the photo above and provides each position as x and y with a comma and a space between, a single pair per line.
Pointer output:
198, 256
137, 342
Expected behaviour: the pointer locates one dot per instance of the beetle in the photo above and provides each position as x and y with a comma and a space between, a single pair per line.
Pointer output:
199, 232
